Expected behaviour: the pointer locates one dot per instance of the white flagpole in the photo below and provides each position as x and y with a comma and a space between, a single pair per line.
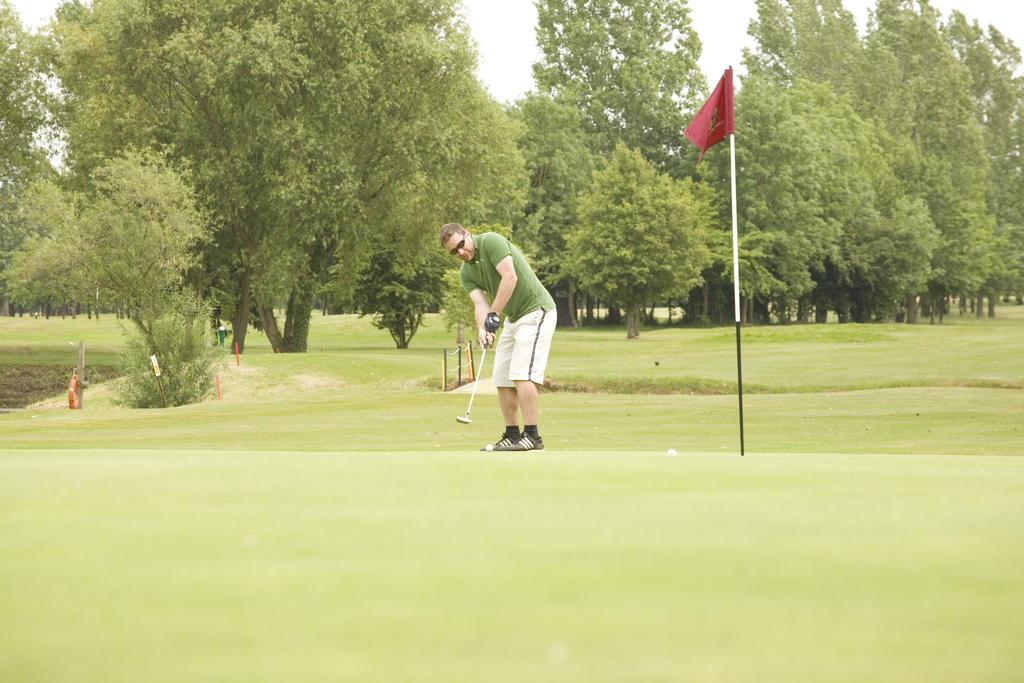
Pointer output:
736, 280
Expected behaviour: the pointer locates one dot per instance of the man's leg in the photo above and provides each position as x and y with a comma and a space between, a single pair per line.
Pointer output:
526, 393
508, 404
529, 404
529, 358
508, 401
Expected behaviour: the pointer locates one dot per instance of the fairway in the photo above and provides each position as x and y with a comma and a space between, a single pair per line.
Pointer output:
952, 389
173, 565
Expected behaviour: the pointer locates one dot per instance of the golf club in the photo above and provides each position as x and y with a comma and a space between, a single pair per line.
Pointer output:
464, 419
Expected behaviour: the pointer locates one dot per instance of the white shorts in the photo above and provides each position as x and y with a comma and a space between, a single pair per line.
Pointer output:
522, 350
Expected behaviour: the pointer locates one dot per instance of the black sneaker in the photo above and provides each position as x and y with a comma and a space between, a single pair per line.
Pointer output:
505, 443
527, 442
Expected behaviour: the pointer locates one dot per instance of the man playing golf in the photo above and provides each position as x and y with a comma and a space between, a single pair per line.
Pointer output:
499, 280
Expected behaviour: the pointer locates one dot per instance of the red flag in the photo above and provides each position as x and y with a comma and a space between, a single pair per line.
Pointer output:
715, 119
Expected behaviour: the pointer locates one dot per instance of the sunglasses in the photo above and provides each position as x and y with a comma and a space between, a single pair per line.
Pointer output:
458, 247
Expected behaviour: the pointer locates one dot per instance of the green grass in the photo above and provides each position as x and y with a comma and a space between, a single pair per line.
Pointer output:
328, 520
808, 358
889, 389
172, 565
900, 421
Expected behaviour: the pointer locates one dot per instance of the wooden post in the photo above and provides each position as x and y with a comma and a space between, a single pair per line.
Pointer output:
81, 374
160, 382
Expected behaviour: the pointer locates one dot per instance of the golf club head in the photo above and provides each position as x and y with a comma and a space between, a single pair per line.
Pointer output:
464, 419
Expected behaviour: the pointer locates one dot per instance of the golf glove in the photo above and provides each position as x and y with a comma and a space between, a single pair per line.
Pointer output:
491, 322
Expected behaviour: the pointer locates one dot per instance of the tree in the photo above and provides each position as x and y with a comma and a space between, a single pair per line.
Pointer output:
457, 309
820, 208
998, 95
397, 290
919, 94
629, 66
786, 169
879, 261
401, 278
23, 100
23, 118
813, 40
304, 123
134, 238
559, 164
207, 83
641, 235
422, 138
42, 267
906, 84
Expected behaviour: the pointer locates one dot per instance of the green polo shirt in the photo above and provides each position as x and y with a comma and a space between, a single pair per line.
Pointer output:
480, 273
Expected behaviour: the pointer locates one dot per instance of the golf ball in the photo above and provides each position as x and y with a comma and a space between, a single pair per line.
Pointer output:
489, 447
671, 451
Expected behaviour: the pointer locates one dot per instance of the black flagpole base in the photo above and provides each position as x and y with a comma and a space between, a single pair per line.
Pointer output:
739, 382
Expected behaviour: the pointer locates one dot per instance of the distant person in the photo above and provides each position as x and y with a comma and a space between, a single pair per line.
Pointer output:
499, 280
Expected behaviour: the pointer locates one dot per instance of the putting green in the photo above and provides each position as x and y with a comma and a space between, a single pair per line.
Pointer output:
171, 565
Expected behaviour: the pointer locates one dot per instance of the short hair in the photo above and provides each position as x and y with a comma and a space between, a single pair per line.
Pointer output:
449, 229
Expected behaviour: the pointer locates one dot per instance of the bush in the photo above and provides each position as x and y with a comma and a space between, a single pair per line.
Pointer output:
184, 345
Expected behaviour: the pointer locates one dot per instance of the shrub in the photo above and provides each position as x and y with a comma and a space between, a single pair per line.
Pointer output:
184, 345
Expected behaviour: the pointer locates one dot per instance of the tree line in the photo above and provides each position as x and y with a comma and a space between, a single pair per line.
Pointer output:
272, 156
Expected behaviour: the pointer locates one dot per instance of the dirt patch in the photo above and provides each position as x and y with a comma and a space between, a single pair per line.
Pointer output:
316, 382
23, 385
255, 382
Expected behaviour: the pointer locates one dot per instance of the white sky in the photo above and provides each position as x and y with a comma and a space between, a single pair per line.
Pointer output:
504, 31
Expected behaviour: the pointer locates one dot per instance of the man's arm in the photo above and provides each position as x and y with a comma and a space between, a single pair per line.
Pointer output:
507, 270
480, 309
